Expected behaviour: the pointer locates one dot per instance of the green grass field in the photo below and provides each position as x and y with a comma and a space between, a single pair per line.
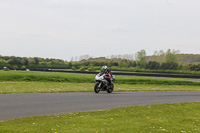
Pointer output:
37, 82
84, 78
183, 117
45, 87
177, 118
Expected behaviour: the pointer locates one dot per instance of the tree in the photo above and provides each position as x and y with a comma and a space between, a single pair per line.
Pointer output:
123, 63
70, 64
36, 60
133, 64
141, 57
161, 52
55, 62
155, 53
10, 61
3, 63
171, 56
153, 65
169, 66
31, 61
24, 61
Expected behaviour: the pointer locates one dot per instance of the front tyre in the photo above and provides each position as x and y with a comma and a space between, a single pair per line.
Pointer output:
110, 90
96, 88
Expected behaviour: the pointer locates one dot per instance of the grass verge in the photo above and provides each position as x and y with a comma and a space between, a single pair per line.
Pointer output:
177, 117
51, 87
84, 78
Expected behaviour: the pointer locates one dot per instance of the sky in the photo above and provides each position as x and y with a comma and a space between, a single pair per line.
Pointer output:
63, 29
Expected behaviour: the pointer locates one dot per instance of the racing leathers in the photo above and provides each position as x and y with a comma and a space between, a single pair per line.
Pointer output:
108, 75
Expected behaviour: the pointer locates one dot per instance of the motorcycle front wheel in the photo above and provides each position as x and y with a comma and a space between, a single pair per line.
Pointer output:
96, 88
110, 90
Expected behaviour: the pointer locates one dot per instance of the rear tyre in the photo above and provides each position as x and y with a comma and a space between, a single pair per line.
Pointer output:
96, 88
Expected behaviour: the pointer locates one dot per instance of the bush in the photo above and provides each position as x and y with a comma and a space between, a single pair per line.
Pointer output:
82, 69
15, 67
73, 68
91, 69
23, 67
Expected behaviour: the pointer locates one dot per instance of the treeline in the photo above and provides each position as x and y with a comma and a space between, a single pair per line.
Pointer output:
169, 60
36, 62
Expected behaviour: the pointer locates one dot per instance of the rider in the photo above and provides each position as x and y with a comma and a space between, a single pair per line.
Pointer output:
108, 74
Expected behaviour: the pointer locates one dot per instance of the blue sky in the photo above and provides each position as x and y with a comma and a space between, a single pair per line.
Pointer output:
65, 28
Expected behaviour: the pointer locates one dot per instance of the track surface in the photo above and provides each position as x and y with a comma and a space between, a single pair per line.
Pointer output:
36, 104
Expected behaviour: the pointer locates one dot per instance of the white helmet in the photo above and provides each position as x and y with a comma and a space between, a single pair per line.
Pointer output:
104, 67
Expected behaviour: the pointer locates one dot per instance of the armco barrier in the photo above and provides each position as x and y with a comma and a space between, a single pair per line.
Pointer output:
124, 73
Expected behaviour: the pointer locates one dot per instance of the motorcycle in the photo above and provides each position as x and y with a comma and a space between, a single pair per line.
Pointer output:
102, 83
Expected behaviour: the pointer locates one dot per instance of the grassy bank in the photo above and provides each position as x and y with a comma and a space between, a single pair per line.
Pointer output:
84, 78
135, 69
51, 87
178, 117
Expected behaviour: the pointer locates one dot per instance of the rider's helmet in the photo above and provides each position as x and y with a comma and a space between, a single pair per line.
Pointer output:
104, 68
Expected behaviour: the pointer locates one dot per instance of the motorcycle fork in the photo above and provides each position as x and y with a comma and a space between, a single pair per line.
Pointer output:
99, 86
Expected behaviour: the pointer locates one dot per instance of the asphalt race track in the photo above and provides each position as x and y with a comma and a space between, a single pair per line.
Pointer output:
37, 104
